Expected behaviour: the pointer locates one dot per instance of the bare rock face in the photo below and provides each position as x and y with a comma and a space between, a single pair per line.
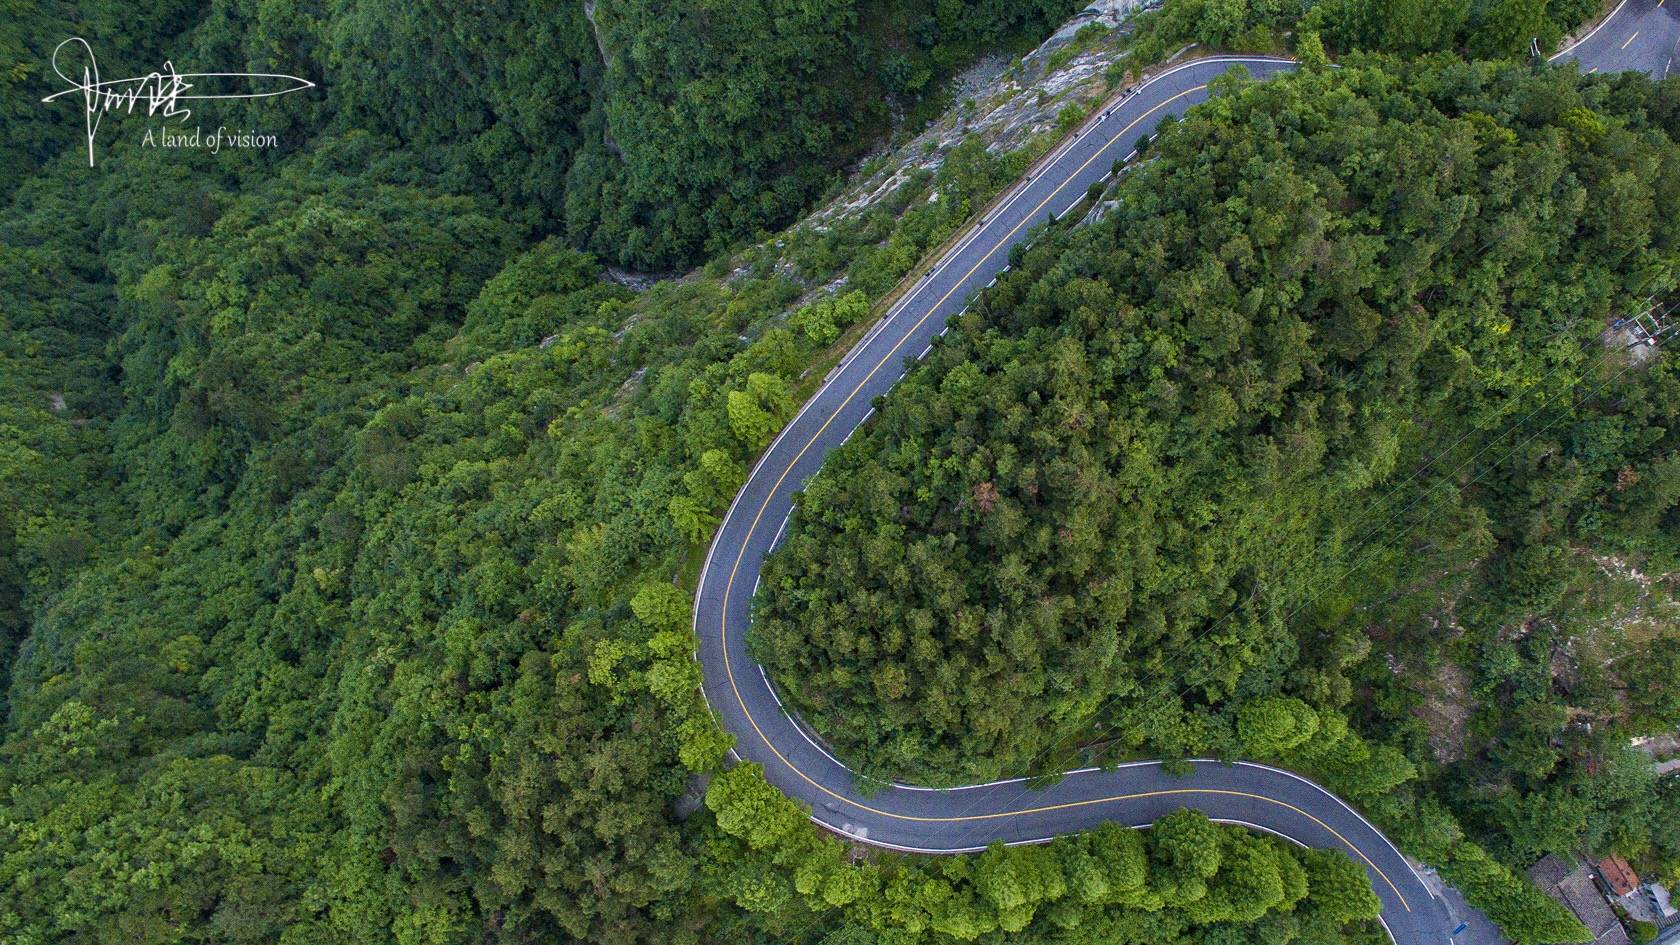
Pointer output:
1007, 103
1110, 13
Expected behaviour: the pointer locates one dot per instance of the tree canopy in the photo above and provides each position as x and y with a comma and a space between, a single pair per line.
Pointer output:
1333, 390
349, 506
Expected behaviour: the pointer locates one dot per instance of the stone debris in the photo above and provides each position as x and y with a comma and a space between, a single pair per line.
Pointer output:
1006, 103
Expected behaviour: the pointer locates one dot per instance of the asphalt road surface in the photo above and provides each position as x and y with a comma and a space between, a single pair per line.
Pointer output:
1639, 35
913, 818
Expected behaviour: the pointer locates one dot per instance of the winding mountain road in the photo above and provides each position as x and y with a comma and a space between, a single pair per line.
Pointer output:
911, 818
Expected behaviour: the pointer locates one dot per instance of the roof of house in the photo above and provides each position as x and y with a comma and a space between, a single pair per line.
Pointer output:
1574, 888
1618, 875
1548, 871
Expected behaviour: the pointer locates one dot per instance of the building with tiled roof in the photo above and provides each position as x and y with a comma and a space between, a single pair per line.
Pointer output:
1574, 888
1618, 876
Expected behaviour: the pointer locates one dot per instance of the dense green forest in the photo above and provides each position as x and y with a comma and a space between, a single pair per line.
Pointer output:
342, 499
347, 511
1321, 408
386, 652
652, 134
1477, 28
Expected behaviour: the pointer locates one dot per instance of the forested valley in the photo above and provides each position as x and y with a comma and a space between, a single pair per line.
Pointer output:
349, 509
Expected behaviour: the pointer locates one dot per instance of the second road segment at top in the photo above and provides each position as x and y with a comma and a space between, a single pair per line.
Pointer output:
907, 817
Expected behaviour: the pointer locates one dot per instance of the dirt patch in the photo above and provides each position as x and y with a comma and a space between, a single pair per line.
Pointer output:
1660, 747
1638, 353
1446, 711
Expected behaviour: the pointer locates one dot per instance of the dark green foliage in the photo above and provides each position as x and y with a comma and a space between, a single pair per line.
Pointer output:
345, 508
340, 579
1214, 475
1490, 29
719, 120
1665, 831
649, 133
1113, 481
126, 37
493, 94
1523, 912
1185, 880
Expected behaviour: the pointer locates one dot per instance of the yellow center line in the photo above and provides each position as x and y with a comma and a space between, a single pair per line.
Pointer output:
729, 586
723, 621
1630, 39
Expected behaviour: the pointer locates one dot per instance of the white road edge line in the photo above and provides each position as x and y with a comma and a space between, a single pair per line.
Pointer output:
1020, 188
1593, 32
864, 343
771, 689
711, 552
1231, 821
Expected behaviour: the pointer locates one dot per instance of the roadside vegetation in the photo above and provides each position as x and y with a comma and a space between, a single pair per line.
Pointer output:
1322, 404
1481, 29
